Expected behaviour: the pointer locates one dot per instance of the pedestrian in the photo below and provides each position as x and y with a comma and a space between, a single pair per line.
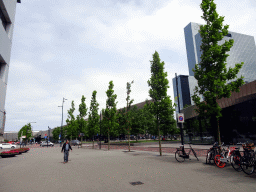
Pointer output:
65, 148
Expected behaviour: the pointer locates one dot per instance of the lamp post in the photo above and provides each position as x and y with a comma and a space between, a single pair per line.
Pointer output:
61, 121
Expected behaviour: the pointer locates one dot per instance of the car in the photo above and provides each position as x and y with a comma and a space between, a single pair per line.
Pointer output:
44, 143
75, 142
7, 146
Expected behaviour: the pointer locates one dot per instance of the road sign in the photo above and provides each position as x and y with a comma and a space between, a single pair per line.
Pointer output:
23, 137
59, 135
45, 135
181, 118
82, 134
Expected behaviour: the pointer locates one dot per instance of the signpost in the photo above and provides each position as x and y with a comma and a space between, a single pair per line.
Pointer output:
180, 117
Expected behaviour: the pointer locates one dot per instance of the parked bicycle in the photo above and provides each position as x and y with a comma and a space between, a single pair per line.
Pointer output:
212, 152
224, 157
181, 155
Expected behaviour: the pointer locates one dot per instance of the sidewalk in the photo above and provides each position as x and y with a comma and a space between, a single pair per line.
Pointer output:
88, 170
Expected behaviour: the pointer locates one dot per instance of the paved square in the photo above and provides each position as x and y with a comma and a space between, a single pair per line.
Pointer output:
42, 169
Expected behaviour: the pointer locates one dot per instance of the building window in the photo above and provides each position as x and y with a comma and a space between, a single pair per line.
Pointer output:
4, 21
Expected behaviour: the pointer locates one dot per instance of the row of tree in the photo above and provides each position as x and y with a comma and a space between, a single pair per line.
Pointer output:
156, 117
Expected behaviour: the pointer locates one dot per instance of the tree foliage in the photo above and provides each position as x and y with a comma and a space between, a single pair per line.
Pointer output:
93, 120
56, 133
158, 92
211, 73
72, 124
26, 130
80, 119
109, 114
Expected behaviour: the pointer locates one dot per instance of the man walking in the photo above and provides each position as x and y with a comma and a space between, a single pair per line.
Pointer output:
66, 147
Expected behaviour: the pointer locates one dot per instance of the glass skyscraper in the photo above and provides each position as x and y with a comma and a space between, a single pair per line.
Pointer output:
243, 50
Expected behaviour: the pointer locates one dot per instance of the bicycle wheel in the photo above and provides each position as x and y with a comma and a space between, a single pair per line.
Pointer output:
178, 156
247, 166
209, 157
218, 162
235, 162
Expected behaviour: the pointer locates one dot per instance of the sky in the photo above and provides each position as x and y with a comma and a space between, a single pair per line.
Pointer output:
71, 48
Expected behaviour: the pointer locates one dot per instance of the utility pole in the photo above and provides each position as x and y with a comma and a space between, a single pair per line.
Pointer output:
61, 122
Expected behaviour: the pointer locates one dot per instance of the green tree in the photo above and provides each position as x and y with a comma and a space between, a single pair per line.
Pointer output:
80, 119
121, 120
211, 73
149, 119
128, 114
56, 133
26, 130
136, 126
93, 121
167, 120
72, 125
158, 91
109, 114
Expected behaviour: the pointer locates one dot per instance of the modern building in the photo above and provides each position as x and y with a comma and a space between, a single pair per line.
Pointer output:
7, 16
243, 50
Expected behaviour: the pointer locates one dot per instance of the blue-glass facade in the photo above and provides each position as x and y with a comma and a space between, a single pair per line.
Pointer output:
243, 50
184, 91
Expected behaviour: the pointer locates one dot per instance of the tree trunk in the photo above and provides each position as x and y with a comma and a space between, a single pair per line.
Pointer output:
159, 138
108, 140
129, 139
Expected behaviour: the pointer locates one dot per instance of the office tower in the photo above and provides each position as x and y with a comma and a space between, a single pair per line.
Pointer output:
183, 89
7, 17
243, 50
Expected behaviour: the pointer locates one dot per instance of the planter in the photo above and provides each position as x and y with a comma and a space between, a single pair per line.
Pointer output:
7, 155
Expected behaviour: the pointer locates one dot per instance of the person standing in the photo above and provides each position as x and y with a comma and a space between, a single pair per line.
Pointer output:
66, 146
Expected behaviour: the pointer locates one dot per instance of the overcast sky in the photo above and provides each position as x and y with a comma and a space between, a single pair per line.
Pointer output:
71, 48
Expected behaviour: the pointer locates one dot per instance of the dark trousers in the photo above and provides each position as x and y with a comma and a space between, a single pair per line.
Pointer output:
66, 156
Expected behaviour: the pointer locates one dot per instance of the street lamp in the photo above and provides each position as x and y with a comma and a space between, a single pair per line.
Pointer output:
61, 121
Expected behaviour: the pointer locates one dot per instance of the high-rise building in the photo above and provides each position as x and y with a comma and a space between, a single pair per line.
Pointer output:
183, 89
243, 50
7, 17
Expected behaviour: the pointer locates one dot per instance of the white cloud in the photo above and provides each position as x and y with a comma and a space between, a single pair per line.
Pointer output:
71, 48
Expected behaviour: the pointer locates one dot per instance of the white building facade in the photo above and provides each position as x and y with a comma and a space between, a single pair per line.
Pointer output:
7, 17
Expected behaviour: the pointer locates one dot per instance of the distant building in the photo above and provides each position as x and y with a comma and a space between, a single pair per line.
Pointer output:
7, 17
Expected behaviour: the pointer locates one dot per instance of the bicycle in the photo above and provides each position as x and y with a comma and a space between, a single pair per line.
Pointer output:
212, 152
181, 155
235, 160
224, 157
247, 162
